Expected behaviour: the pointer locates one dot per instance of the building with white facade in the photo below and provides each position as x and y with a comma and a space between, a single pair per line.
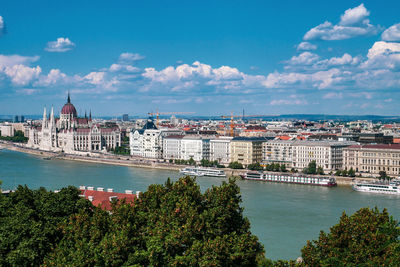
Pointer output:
72, 134
186, 147
278, 151
220, 149
148, 141
327, 154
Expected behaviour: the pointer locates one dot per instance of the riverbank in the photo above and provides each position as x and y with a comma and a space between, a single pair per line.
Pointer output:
128, 161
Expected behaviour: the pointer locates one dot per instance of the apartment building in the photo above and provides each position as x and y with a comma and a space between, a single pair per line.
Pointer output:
278, 151
220, 149
247, 150
373, 159
186, 147
327, 154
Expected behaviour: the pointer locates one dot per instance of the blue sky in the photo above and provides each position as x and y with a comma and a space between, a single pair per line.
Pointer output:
207, 57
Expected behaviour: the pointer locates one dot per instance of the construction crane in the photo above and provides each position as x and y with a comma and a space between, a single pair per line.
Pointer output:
232, 125
167, 113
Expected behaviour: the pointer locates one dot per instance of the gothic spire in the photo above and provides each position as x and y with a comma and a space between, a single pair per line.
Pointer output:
90, 114
85, 114
69, 98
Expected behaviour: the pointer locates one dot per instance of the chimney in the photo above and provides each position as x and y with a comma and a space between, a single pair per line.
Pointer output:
91, 198
100, 189
90, 188
82, 187
130, 192
110, 190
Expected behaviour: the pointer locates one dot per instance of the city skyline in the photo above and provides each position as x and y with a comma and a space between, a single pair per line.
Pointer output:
209, 58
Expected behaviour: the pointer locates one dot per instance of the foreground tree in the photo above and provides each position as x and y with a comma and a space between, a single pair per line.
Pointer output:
367, 238
29, 221
171, 224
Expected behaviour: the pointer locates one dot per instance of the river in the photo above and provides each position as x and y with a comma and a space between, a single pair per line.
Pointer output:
283, 216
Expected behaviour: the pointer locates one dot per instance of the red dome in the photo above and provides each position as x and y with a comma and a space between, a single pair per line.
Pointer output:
69, 109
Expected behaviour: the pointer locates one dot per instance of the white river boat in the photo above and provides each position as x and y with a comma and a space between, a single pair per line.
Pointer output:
390, 188
290, 179
201, 171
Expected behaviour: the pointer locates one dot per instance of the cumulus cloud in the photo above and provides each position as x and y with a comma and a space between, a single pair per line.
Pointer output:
353, 23
383, 55
60, 45
22, 75
305, 58
392, 33
306, 46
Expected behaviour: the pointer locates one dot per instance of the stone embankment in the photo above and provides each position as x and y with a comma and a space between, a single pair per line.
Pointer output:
138, 162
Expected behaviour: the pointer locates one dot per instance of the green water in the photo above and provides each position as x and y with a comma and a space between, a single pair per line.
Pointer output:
283, 216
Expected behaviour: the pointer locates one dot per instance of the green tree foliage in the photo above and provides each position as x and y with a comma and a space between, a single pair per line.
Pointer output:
17, 138
255, 167
169, 225
208, 163
29, 223
283, 168
338, 173
121, 150
366, 238
351, 172
235, 165
320, 170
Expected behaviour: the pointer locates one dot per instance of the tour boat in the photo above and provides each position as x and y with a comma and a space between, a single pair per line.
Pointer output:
200, 171
391, 188
290, 179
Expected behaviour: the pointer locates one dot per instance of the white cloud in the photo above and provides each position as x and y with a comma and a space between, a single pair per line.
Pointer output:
22, 75
279, 102
7, 61
95, 78
355, 15
392, 34
305, 58
306, 46
55, 76
353, 23
130, 57
2, 26
123, 68
383, 55
61, 45
26, 91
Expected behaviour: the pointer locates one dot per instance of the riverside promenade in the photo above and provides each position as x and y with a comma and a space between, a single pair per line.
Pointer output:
138, 162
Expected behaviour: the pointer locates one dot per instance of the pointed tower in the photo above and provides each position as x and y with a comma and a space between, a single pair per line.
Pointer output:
90, 115
85, 114
52, 121
69, 98
44, 122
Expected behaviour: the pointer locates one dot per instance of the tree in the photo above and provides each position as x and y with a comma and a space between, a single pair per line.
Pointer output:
344, 173
311, 168
171, 224
277, 167
29, 223
338, 173
366, 238
382, 175
255, 167
235, 165
283, 168
351, 172
191, 161
320, 170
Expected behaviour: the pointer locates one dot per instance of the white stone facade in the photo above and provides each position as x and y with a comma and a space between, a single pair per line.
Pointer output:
220, 149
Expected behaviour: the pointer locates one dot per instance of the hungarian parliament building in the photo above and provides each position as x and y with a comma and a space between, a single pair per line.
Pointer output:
72, 134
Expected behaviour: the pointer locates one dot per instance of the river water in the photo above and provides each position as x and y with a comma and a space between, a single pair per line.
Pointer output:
283, 216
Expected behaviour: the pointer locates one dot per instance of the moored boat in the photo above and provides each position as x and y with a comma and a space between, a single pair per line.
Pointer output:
200, 171
379, 187
290, 178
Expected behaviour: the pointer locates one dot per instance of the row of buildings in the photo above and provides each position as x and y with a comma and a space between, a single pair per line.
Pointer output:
168, 144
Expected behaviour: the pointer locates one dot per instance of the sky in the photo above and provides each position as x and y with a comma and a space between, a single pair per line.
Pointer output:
205, 57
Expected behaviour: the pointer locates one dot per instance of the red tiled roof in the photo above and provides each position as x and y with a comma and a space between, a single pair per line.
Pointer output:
102, 199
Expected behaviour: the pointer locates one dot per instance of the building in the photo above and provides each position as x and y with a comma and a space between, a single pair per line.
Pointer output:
70, 134
148, 141
220, 149
6, 130
247, 150
327, 154
186, 147
278, 151
373, 159
125, 117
